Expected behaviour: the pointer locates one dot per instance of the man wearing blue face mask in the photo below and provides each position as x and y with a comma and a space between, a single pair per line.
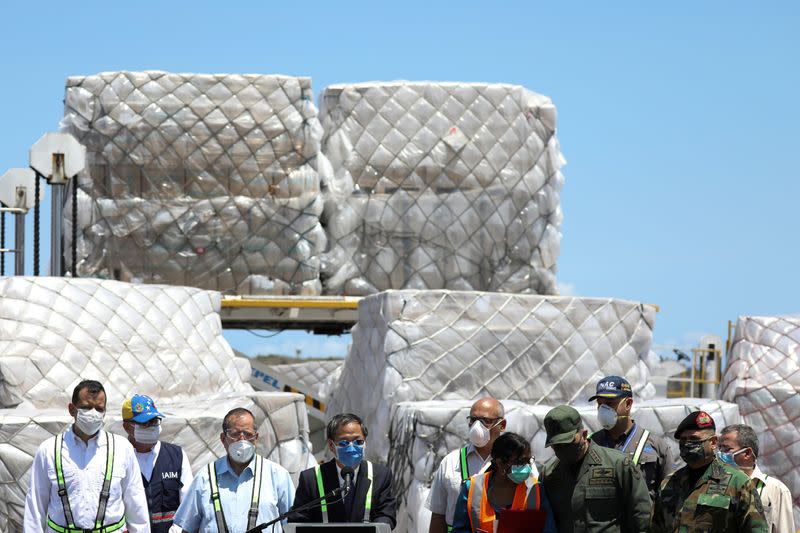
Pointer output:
166, 473
367, 486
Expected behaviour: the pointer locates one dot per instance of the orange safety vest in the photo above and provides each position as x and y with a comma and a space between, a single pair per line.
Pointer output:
481, 512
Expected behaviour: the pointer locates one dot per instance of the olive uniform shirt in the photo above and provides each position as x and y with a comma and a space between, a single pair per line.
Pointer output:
604, 492
722, 500
655, 457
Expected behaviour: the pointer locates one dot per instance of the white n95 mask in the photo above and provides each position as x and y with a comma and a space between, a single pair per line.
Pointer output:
89, 421
242, 451
478, 434
607, 416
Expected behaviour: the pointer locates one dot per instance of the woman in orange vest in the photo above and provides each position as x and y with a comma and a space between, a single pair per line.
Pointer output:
508, 483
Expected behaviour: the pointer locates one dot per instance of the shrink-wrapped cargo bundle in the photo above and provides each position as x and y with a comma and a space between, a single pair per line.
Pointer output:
441, 186
763, 378
448, 345
196, 179
424, 432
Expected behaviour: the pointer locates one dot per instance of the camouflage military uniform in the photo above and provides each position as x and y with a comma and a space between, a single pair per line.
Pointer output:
606, 493
723, 500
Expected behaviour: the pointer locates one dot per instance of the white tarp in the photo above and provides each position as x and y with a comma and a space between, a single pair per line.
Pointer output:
446, 345
423, 433
196, 426
162, 341
208, 180
763, 378
441, 186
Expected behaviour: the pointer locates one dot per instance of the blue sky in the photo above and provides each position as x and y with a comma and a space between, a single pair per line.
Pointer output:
679, 122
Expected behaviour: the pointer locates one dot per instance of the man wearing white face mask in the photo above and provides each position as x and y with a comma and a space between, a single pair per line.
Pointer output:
486, 422
239, 491
86, 479
166, 473
647, 451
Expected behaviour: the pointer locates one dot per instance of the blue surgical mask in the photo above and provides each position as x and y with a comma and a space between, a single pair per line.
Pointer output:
728, 457
350, 455
519, 473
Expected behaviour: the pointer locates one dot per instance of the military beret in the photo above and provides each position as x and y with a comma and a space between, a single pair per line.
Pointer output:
695, 420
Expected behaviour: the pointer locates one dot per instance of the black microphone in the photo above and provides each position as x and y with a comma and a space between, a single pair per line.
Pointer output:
347, 475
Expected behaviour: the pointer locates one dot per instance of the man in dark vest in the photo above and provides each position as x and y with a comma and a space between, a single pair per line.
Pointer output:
369, 497
166, 473
648, 451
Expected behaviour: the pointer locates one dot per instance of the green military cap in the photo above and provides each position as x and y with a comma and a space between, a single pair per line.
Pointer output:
561, 423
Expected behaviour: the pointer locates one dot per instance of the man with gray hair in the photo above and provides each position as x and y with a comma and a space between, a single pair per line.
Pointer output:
738, 447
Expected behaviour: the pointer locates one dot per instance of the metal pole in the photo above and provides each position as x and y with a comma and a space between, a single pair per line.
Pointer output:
19, 244
36, 227
55, 230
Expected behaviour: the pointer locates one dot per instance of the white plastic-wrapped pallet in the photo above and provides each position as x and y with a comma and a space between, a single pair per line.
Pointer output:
448, 345
441, 186
195, 426
207, 180
158, 340
422, 433
763, 378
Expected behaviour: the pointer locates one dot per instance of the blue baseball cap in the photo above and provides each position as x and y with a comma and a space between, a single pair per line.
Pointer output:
140, 409
612, 387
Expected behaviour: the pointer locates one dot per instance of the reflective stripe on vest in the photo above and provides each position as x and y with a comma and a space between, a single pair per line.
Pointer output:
481, 512
252, 513
160, 518
761, 484
104, 493
640, 446
464, 465
324, 504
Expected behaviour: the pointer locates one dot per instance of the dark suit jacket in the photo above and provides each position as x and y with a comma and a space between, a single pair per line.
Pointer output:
383, 502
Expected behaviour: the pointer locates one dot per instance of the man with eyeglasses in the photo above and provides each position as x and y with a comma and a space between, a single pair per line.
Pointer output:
486, 421
86, 479
738, 447
239, 491
706, 494
364, 488
166, 472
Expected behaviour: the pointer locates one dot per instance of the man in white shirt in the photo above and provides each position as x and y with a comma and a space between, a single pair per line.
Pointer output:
486, 422
738, 447
86, 479
166, 473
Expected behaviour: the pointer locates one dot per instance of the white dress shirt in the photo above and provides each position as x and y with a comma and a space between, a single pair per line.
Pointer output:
446, 483
777, 502
84, 466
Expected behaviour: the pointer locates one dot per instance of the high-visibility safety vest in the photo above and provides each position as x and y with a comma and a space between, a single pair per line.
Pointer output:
481, 513
324, 503
104, 494
252, 514
464, 474
637, 445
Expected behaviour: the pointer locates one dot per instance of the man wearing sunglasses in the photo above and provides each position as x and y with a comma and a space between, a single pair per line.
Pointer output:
706, 494
363, 488
166, 473
239, 491
486, 422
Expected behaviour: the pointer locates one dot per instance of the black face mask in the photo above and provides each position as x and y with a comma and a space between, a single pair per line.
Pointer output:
693, 451
569, 454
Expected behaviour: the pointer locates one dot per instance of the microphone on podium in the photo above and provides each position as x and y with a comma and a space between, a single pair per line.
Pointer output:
347, 475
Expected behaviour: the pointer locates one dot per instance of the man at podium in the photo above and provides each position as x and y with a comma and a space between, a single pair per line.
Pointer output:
366, 486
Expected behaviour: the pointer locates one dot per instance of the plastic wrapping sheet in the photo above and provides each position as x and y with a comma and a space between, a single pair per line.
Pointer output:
199, 179
443, 345
763, 378
441, 186
162, 341
281, 421
423, 433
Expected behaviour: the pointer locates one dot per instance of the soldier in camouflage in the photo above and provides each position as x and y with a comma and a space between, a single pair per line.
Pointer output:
591, 489
706, 495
